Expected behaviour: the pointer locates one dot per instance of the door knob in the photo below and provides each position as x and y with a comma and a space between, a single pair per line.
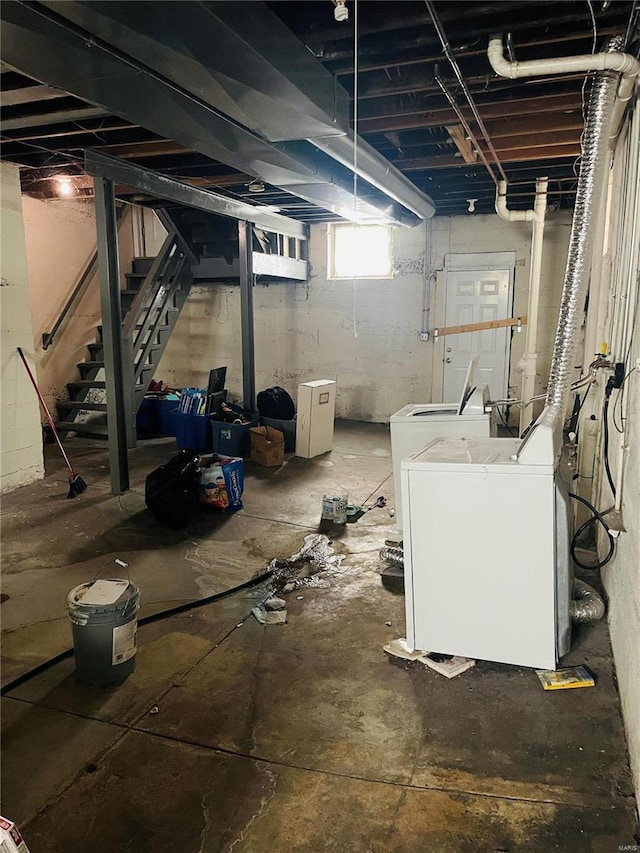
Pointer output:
448, 360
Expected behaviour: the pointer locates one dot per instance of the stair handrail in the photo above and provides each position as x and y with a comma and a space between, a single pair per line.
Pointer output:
164, 295
151, 278
78, 290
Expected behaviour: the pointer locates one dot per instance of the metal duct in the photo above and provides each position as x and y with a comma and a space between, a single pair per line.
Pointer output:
238, 57
595, 144
176, 103
587, 605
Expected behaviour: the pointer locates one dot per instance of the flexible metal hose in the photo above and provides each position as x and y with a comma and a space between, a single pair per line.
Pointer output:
394, 556
587, 605
595, 145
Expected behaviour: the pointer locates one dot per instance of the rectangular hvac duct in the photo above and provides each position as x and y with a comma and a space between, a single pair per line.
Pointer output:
237, 57
176, 102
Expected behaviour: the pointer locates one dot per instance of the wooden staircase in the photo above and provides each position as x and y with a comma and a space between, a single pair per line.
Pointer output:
155, 293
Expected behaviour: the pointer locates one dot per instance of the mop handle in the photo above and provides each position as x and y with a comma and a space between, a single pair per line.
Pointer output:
46, 410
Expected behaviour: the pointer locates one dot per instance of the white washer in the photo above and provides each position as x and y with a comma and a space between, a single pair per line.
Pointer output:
486, 551
416, 425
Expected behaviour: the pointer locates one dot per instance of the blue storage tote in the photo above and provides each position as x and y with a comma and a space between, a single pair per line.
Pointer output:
193, 432
155, 415
233, 439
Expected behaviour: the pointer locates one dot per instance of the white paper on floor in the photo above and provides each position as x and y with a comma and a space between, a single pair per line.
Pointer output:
449, 668
269, 617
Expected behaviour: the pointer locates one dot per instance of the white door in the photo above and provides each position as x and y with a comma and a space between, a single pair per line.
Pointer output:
476, 296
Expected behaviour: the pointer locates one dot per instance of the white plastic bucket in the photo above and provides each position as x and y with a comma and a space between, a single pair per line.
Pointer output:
104, 622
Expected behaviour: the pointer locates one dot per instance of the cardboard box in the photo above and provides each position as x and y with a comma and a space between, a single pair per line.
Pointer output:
267, 446
11, 841
288, 428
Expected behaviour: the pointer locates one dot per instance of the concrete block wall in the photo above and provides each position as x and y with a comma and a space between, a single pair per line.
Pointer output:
621, 576
61, 239
21, 460
306, 331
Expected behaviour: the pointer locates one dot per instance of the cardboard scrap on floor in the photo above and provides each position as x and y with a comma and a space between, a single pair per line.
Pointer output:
449, 667
565, 679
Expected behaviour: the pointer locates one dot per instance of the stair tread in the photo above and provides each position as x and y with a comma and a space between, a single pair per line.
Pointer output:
87, 383
89, 428
82, 404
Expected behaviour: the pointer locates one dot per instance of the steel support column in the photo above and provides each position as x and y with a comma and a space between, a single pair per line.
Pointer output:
245, 243
117, 414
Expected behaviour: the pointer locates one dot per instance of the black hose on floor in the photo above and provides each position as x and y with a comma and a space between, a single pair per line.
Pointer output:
594, 519
154, 617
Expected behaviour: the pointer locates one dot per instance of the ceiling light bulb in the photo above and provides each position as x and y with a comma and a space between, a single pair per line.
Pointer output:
65, 187
472, 204
341, 12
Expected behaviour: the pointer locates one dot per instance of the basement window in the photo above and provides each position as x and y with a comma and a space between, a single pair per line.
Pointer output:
359, 251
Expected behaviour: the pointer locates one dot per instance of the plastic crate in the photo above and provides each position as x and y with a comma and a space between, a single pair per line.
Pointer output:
233, 439
155, 416
193, 432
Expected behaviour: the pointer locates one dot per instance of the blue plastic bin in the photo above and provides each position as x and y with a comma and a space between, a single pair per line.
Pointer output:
155, 416
233, 439
193, 432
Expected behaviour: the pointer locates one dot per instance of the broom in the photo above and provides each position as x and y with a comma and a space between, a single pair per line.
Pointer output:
76, 484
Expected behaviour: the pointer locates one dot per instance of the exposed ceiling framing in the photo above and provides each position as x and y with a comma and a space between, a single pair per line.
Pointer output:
534, 125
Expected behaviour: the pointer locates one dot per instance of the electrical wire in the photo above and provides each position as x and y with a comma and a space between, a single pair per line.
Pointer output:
355, 154
593, 24
618, 403
576, 413
506, 425
596, 517
605, 444
619, 400
448, 52
146, 620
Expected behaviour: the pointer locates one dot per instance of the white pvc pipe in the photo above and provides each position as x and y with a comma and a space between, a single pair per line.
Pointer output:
626, 64
537, 217
614, 61
540, 209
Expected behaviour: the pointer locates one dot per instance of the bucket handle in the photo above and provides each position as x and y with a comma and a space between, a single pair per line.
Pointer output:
120, 563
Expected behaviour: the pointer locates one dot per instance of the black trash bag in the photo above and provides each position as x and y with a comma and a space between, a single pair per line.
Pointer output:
276, 403
171, 491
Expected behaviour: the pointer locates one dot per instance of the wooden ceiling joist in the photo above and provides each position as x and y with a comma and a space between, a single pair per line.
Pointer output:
515, 155
462, 143
444, 116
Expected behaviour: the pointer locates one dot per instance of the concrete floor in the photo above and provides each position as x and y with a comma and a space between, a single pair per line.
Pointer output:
301, 737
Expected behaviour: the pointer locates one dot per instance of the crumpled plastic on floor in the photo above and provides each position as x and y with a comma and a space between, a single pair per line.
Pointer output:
316, 553
302, 569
